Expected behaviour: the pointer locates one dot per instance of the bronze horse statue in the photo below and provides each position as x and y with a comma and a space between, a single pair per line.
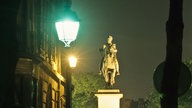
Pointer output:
109, 70
109, 66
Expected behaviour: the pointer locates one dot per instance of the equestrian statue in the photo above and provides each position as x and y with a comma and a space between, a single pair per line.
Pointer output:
109, 66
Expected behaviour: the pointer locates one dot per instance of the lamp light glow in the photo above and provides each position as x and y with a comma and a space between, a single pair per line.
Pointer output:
72, 61
67, 31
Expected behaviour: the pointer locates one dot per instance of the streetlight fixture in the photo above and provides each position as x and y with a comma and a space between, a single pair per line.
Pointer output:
72, 61
72, 65
67, 27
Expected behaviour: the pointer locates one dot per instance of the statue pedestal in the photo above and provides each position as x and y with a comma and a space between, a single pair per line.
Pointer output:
109, 98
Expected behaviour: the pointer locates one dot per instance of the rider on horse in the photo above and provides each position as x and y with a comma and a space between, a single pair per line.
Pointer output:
109, 51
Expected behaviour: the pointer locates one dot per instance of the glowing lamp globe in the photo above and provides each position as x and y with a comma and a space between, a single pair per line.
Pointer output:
72, 61
67, 31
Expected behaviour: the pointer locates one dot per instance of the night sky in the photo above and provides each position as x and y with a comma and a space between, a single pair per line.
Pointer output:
138, 28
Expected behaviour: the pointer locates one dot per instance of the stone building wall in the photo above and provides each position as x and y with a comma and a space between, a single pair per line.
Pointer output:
39, 81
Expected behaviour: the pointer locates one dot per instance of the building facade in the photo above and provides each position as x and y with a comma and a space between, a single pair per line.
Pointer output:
40, 81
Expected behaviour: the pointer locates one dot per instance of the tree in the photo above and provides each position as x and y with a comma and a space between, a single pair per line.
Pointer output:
85, 85
184, 101
153, 99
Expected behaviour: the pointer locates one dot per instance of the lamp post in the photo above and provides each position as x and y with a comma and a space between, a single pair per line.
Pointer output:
67, 26
72, 65
172, 69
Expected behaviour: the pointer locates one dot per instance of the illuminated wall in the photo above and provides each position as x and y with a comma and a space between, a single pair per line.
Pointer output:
39, 81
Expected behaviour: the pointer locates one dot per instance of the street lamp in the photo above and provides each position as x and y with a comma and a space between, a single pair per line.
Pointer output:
72, 61
72, 65
67, 27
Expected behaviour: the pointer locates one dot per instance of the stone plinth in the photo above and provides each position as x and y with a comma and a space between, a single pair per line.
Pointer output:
109, 98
